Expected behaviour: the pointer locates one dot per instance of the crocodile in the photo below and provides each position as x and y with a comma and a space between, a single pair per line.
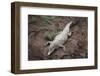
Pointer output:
60, 39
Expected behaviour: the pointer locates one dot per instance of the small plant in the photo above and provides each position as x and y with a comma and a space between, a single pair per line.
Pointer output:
34, 19
49, 35
47, 20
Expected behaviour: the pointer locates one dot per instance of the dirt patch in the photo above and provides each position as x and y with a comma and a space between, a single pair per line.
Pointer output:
44, 28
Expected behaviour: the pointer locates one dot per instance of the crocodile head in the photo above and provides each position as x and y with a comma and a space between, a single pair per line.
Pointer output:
51, 48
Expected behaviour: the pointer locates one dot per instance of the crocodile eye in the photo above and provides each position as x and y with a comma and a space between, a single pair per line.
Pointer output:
48, 44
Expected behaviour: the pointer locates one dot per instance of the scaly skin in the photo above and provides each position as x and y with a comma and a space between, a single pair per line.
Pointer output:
60, 39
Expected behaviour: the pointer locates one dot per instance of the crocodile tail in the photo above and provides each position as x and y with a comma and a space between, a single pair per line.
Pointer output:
69, 24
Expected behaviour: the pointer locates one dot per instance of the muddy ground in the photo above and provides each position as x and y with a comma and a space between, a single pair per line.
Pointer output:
44, 28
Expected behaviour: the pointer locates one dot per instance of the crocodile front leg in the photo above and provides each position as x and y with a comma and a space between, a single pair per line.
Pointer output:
63, 47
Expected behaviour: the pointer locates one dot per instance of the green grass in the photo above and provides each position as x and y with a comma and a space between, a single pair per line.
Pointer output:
49, 35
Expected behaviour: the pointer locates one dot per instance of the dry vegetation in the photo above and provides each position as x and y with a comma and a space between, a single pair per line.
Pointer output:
44, 28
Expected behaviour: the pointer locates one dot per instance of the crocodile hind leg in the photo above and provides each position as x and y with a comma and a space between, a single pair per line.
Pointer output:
69, 33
